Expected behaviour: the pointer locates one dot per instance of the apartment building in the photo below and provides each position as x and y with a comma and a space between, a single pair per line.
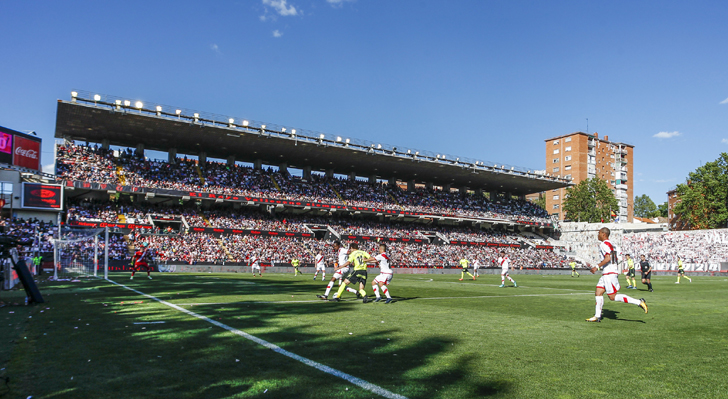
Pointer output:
579, 156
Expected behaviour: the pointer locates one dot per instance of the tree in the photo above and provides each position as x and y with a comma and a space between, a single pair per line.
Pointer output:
590, 201
540, 201
662, 210
702, 199
644, 207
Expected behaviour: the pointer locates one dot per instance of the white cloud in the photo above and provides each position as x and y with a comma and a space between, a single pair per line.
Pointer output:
215, 48
281, 7
338, 3
724, 101
724, 141
277, 33
667, 135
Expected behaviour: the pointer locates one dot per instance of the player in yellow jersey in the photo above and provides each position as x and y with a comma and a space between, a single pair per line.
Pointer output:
357, 259
572, 263
295, 262
464, 263
681, 271
629, 273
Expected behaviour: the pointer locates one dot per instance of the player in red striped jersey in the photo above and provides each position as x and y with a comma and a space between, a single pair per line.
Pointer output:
255, 264
320, 266
608, 282
385, 274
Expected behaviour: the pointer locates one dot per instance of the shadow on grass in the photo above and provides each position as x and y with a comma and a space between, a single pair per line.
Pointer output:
612, 315
88, 345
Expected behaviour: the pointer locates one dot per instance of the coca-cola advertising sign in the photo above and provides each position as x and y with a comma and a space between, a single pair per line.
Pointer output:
6, 147
26, 153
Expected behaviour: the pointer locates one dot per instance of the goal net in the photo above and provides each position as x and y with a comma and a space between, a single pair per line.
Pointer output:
79, 252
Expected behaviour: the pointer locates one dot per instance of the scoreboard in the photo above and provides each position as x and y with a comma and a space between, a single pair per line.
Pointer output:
42, 196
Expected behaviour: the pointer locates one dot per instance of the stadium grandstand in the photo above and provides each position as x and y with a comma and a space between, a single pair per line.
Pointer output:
231, 188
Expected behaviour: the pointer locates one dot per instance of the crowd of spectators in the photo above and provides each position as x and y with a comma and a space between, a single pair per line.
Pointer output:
702, 246
37, 231
93, 164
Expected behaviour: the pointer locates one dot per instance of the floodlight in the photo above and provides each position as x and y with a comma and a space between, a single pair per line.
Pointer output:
127, 103
262, 127
347, 141
159, 108
511, 167
293, 132
379, 146
139, 104
438, 156
74, 94
245, 123
417, 153
197, 116
178, 112
118, 104
321, 136
338, 138
283, 129
97, 97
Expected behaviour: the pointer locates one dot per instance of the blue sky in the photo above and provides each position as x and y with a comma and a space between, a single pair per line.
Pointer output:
482, 79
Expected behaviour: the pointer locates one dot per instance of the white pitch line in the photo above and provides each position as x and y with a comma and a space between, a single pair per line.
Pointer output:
326, 369
150, 322
505, 296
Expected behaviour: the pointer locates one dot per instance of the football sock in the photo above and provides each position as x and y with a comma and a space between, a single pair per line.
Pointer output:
385, 290
600, 304
132, 273
328, 288
341, 290
353, 291
471, 276
375, 288
323, 276
626, 299
503, 279
649, 285
511, 280
462, 275
678, 279
689, 279
363, 293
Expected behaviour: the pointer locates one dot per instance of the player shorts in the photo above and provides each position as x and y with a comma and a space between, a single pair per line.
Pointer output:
255, 267
137, 265
322, 268
341, 273
384, 278
504, 272
609, 282
646, 276
681, 271
357, 276
630, 273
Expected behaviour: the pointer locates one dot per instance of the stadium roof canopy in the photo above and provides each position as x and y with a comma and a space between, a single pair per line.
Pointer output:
96, 118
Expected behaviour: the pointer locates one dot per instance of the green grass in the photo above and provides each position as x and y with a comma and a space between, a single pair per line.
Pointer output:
442, 339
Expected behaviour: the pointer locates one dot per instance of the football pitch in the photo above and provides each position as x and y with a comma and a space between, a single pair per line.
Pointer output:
235, 336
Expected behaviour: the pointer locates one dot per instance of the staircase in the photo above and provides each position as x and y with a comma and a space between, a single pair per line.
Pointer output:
219, 240
337, 194
120, 175
395, 200
199, 174
275, 184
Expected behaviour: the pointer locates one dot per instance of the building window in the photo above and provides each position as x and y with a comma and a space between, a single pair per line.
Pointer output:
567, 158
556, 160
567, 167
567, 148
556, 151
567, 177
556, 169
567, 139
556, 142
556, 206
556, 197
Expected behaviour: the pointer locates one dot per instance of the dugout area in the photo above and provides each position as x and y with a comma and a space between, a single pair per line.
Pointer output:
442, 339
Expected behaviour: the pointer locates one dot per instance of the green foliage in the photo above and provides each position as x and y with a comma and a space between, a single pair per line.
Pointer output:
662, 210
703, 197
541, 201
590, 201
644, 207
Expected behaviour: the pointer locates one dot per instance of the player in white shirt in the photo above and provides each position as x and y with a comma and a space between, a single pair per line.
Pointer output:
608, 282
385, 274
476, 266
255, 265
320, 265
505, 263
339, 273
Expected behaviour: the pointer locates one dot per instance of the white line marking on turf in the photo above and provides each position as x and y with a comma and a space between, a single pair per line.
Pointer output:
326, 369
150, 322
506, 296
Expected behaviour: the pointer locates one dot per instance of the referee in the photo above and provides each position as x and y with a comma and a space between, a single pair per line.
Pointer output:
646, 272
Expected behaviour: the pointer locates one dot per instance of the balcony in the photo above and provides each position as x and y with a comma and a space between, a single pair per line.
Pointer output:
621, 187
623, 176
591, 143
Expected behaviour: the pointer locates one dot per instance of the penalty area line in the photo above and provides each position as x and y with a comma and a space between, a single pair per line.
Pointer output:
321, 367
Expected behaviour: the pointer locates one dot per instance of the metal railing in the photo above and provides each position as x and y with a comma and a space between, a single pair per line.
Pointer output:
240, 125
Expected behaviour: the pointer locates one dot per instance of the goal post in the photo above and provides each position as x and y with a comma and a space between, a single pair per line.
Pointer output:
76, 253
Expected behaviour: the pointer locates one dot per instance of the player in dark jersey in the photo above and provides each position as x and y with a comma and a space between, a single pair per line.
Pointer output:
646, 272
141, 259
